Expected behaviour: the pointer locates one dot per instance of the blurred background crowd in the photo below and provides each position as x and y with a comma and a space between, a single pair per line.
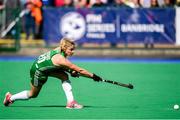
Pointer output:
90, 3
32, 22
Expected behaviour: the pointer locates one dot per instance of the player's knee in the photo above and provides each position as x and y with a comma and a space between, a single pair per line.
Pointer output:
33, 95
65, 77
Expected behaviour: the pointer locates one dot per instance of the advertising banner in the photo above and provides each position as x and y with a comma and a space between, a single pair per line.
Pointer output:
177, 26
82, 25
143, 25
109, 25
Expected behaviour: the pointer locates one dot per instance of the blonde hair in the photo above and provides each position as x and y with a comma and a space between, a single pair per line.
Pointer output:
65, 43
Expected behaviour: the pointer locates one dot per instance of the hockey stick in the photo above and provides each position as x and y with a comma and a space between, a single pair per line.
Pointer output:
130, 86
12, 24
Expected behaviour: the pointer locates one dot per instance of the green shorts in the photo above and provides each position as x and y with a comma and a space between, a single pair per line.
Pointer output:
38, 78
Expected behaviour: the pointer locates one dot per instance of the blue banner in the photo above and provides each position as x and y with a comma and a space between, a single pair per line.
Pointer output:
109, 25
82, 25
141, 25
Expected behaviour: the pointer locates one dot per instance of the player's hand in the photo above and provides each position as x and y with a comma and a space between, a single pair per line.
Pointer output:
74, 73
96, 78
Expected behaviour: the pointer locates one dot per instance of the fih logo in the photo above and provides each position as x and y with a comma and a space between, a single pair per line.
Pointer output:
72, 25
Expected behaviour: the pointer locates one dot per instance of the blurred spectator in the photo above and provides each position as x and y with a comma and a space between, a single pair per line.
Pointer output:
82, 4
154, 4
99, 3
105, 1
58, 3
141, 2
161, 2
94, 1
178, 2
134, 3
33, 20
119, 3
168, 3
1, 5
36, 11
30, 25
68, 3
145, 3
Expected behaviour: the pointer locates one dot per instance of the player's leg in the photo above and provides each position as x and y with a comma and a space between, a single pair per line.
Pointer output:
66, 85
24, 95
34, 92
37, 81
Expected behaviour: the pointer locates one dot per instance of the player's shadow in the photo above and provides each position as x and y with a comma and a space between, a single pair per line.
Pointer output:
51, 106
46, 106
63, 106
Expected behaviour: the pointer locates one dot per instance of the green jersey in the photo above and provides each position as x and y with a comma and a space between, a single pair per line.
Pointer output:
44, 63
42, 66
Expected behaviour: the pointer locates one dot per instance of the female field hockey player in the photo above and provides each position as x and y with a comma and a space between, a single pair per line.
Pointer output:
55, 64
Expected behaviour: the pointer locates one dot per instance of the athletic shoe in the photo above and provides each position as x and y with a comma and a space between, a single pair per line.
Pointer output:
74, 105
7, 100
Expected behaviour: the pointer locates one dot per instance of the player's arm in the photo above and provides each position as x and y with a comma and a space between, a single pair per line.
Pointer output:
61, 61
78, 69
82, 71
